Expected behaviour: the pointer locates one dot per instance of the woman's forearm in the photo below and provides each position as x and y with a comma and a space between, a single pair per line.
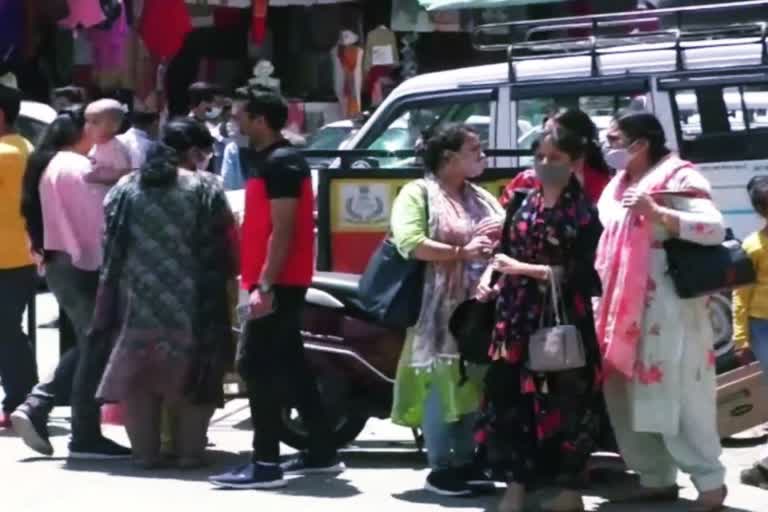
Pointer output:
430, 250
540, 272
670, 219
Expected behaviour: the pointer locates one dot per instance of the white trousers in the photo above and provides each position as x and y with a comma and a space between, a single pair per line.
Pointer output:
656, 458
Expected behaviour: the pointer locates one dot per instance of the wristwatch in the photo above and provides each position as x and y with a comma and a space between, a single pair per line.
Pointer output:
265, 288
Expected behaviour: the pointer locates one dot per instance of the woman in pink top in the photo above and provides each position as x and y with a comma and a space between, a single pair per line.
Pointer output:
65, 222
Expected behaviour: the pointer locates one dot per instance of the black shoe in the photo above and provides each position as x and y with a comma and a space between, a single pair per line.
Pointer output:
303, 464
98, 449
478, 479
32, 428
447, 482
250, 476
756, 476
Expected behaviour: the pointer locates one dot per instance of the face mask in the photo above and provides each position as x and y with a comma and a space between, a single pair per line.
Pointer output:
233, 129
553, 174
616, 158
213, 113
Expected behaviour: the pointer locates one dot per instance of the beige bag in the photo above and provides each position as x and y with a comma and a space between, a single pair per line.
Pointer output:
556, 348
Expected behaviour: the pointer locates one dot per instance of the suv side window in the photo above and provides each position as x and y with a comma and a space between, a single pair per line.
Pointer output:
719, 123
532, 113
404, 129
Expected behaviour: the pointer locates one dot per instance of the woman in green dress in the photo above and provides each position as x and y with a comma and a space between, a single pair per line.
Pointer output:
451, 224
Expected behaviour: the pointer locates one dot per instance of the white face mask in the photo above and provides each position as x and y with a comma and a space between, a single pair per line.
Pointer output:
617, 158
213, 113
233, 129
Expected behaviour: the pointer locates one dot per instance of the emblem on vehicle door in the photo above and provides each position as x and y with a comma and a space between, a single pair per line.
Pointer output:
364, 204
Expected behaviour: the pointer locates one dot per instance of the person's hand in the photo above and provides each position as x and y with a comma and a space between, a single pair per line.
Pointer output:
640, 203
485, 292
37, 258
261, 303
505, 264
490, 227
478, 248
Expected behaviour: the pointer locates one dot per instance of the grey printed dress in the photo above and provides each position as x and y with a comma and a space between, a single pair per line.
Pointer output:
162, 311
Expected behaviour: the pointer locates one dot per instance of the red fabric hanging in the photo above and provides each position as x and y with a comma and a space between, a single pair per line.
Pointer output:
259, 20
164, 27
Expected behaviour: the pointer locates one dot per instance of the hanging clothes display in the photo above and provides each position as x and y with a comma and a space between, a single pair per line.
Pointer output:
109, 47
11, 29
409, 16
380, 48
348, 73
83, 14
259, 21
164, 26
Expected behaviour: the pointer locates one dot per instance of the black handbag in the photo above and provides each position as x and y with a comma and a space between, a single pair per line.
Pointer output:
701, 270
391, 287
472, 322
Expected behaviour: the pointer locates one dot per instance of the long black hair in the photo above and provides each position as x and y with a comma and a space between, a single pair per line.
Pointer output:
644, 126
579, 123
65, 131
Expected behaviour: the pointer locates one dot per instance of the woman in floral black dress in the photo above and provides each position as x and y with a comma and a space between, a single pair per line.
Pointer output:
542, 428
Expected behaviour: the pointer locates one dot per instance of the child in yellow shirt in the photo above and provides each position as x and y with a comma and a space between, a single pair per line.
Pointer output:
750, 309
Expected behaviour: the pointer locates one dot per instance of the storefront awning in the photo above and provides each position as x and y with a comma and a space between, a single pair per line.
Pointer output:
442, 5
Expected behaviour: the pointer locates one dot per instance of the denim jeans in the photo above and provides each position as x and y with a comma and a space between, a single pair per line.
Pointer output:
449, 445
18, 369
56, 389
758, 336
75, 290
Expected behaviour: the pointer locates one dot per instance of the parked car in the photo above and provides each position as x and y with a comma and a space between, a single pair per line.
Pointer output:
33, 118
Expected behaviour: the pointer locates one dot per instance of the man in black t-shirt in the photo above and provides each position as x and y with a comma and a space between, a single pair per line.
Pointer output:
277, 262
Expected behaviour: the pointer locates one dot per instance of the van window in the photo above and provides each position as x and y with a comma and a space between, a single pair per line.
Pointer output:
405, 130
720, 123
534, 113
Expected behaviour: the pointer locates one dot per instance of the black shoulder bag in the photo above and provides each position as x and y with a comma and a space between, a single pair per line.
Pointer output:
701, 270
391, 286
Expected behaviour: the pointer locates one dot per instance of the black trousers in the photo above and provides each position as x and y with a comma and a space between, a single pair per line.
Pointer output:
75, 290
272, 362
18, 369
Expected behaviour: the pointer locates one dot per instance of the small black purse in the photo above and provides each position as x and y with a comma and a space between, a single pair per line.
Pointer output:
701, 270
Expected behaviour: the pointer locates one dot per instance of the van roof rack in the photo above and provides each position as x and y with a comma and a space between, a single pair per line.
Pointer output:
597, 43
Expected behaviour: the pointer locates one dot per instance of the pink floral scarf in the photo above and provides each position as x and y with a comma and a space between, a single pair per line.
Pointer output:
622, 262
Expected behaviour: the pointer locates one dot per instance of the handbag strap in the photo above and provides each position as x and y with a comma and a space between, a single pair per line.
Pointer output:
558, 302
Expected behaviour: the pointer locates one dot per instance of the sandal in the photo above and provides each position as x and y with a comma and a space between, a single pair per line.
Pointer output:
561, 503
713, 501
756, 476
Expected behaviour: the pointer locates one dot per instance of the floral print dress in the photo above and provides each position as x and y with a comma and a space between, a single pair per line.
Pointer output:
543, 427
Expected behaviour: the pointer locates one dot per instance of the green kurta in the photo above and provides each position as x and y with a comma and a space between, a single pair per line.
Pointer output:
417, 373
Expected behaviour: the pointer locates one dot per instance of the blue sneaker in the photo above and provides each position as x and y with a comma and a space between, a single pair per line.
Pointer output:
302, 464
250, 476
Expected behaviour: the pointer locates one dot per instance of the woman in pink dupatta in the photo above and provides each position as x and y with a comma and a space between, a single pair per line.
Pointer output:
660, 374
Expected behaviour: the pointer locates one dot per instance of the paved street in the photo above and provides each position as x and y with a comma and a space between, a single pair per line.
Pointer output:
385, 473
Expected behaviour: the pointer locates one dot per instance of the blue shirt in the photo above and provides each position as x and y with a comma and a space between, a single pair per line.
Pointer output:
231, 171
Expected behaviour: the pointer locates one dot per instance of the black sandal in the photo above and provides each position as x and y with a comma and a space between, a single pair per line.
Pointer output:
756, 476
